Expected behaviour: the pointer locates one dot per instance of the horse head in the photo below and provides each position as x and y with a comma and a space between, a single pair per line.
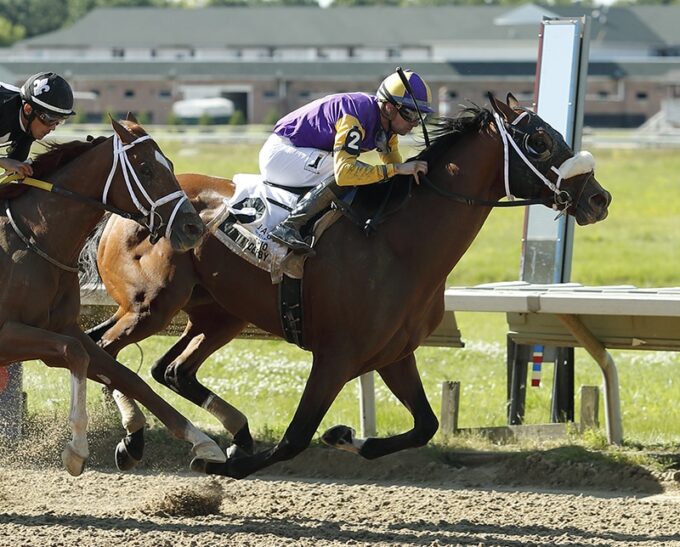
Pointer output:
540, 164
147, 187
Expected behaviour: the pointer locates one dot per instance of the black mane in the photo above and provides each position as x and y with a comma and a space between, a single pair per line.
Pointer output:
445, 131
59, 154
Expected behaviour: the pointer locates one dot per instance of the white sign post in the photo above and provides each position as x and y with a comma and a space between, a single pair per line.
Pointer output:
547, 244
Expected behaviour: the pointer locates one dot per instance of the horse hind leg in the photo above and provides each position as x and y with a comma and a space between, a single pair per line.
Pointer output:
209, 328
20, 342
403, 380
323, 385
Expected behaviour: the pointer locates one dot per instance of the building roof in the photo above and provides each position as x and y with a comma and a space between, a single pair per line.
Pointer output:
662, 69
291, 26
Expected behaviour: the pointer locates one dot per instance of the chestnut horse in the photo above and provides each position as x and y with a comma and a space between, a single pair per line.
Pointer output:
368, 302
42, 232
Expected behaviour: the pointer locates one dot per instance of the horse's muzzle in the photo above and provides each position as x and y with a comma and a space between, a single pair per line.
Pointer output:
593, 204
187, 228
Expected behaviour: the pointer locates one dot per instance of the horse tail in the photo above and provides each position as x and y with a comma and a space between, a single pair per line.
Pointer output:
88, 273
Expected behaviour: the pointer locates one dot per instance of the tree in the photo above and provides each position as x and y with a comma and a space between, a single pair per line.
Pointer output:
35, 16
10, 33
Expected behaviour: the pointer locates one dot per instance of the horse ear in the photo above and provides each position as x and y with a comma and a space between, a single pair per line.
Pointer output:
512, 102
502, 109
131, 118
122, 132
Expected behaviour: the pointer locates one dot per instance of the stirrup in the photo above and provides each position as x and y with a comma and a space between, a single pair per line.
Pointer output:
298, 246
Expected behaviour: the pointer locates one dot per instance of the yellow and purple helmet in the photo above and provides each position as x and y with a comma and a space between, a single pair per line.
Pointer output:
393, 91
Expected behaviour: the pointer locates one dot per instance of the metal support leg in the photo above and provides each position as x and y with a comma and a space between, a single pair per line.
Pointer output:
611, 378
562, 406
517, 359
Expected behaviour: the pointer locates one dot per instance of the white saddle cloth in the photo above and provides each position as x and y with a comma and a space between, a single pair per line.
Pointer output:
254, 210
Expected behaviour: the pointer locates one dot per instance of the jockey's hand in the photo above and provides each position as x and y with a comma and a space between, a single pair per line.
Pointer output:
16, 166
411, 168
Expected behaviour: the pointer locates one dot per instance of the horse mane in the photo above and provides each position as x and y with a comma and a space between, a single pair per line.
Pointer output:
59, 154
446, 131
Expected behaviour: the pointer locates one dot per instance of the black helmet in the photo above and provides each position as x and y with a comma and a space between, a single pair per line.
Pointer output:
50, 93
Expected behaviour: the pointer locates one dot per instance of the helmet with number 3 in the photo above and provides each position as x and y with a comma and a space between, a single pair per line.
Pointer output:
393, 91
49, 92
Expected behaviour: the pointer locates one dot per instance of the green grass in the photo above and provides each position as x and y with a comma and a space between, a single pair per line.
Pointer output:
637, 244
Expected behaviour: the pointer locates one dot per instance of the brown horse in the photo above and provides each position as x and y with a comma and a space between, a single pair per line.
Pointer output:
368, 302
42, 232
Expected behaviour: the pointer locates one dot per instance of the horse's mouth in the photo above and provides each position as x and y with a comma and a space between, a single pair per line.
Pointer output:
593, 209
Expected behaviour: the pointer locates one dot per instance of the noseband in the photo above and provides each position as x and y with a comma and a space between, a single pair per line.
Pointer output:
149, 215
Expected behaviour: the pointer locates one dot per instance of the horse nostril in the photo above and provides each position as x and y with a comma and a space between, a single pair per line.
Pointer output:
600, 200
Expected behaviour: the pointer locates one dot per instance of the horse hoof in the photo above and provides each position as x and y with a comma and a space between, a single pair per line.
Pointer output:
208, 450
338, 435
343, 437
123, 458
73, 462
198, 465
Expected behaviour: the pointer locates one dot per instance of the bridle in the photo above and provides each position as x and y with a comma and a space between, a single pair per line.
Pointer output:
146, 216
512, 136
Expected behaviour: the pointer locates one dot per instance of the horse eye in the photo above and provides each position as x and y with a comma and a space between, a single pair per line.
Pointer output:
539, 144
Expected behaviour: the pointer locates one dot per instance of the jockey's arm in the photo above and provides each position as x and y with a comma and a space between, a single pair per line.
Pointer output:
349, 171
393, 155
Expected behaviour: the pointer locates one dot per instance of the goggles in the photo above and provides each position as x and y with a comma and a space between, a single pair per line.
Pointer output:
50, 120
411, 116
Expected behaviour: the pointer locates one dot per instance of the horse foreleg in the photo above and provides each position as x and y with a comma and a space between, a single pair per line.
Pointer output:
404, 381
106, 370
323, 386
20, 342
118, 332
209, 328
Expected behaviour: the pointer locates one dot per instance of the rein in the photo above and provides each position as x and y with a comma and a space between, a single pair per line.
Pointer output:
33, 246
18, 179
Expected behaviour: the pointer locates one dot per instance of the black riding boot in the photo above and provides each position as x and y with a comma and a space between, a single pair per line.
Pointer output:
311, 204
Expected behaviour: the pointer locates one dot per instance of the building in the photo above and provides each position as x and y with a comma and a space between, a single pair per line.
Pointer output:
270, 60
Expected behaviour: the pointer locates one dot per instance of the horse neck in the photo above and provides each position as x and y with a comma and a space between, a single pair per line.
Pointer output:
442, 229
47, 214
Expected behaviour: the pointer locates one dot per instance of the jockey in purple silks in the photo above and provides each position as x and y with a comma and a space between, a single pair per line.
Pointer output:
319, 145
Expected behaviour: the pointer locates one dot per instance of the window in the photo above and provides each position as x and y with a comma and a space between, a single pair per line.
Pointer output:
270, 95
118, 52
641, 95
165, 94
129, 93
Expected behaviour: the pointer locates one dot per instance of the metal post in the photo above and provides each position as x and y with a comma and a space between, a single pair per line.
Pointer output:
367, 405
11, 401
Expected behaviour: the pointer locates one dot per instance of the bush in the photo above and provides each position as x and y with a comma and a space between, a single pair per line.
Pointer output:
237, 118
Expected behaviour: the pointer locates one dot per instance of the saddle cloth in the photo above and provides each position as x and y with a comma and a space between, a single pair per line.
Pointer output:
253, 211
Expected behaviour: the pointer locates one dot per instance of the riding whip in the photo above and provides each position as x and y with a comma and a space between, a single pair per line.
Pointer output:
407, 85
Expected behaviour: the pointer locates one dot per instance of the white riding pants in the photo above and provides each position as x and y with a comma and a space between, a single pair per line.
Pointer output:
282, 163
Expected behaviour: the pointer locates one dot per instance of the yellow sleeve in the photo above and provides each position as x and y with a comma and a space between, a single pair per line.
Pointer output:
349, 171
392, 155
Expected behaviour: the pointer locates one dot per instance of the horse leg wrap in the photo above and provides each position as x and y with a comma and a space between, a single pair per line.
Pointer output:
186, 385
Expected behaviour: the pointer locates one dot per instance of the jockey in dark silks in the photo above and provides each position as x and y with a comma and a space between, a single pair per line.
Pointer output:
30, 113
320, 143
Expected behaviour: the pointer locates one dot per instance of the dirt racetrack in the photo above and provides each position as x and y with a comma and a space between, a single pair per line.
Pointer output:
331, 498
